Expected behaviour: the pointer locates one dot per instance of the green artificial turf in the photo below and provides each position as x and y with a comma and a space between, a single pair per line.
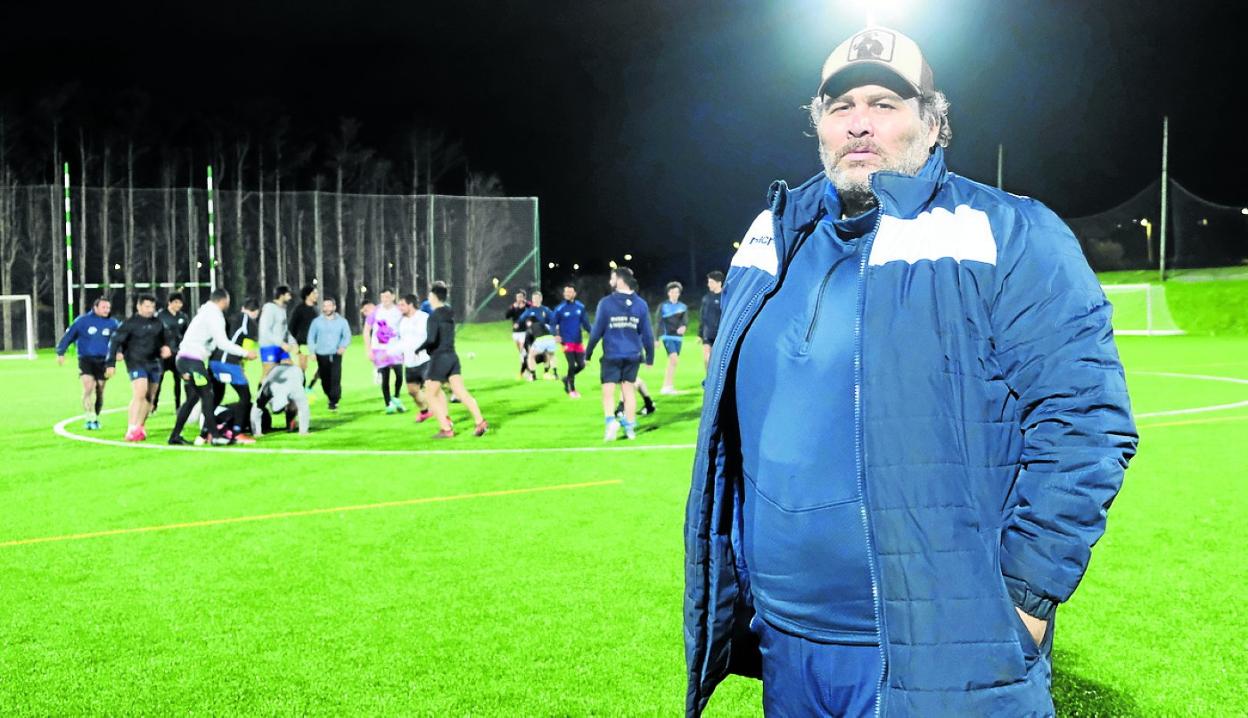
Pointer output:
565, 602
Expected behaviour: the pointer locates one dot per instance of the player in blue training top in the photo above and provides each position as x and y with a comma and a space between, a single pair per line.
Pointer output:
535, 312
92, 332
566, 323
622, 324
671, 321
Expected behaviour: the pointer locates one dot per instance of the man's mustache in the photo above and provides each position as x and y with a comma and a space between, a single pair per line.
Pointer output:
859, 146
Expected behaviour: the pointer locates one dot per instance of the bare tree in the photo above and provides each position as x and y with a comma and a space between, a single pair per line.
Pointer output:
483, 232
130, 239
8, 238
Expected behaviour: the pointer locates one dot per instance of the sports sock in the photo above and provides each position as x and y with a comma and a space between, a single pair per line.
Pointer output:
99, 403
385, 387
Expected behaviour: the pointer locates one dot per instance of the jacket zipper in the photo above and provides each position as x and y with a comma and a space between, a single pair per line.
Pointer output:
814, 318
860, 453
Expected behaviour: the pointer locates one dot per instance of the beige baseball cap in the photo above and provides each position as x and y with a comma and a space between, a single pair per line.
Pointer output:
876, 56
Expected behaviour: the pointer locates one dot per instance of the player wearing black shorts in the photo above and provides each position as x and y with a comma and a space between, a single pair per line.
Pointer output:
204, 335
175, 321
142, 341
91, 334
443, 368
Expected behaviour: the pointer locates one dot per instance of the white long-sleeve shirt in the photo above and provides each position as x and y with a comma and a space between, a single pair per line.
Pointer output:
205, 333
413, 331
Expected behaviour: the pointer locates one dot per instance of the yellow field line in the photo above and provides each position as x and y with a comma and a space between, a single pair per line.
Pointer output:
1195, 421
307, 512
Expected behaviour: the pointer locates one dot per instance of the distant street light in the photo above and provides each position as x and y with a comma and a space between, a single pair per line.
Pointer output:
576, 266
550, 265
628, 258
612, 264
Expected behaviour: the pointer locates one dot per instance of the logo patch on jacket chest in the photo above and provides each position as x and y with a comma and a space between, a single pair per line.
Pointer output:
758, 247
963, 235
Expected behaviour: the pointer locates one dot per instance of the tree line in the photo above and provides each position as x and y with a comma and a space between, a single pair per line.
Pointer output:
137, 179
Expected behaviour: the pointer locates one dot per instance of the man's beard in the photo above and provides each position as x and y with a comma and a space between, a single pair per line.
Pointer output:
854, 187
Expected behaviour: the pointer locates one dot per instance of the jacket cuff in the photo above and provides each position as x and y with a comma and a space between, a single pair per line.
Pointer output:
1032, 604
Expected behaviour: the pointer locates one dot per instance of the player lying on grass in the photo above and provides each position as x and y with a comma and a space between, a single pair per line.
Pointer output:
204, 334
281, 396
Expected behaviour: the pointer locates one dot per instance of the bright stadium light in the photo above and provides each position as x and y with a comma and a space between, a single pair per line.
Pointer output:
1244, 210
116, 266
495, 280
628, 258
612, 264
363, 288
879, 11
550, 265
314, 280
199, 265
736, 245
576, 266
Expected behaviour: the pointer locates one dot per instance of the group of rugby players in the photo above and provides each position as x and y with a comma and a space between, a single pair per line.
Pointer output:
405, 340
410, 345
622, 324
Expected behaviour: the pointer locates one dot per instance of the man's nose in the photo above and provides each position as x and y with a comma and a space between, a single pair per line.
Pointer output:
860, 124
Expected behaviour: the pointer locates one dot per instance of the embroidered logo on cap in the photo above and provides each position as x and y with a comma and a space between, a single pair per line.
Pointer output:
872, 45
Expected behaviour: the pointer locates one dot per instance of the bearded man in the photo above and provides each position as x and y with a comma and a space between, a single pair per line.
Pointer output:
915, 421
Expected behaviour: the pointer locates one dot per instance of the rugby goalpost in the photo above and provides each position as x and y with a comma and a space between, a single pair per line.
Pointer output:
1141, 310
71, 287
29, 352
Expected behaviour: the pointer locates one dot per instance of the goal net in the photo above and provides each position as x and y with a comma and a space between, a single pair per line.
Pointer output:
17, 328
1141, 309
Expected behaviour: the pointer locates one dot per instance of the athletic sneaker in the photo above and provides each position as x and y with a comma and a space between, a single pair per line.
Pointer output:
648, 409
390, 408
424, 416
481, 428
333, 407
629, 433
613, 430
142, 432
444, 434
398, 406
177, 440
221, 441
87, 424
668, 391
244, 439
574, 394
200, 441
133, 435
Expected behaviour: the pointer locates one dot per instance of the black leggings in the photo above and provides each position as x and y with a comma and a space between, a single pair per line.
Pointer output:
198, 390
385, 381
576, 364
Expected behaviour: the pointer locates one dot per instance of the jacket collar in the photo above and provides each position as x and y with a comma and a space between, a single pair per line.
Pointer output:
900, 195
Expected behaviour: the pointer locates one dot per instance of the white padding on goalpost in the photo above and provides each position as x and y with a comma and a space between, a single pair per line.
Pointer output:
1141, 309
25, 326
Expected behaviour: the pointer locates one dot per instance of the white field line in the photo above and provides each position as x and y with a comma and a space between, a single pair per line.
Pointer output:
1198, 409
60, 430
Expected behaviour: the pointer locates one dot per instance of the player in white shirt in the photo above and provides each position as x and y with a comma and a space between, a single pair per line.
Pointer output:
413, 330
380, 329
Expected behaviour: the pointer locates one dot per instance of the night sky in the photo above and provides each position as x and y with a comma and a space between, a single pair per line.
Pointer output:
643, 125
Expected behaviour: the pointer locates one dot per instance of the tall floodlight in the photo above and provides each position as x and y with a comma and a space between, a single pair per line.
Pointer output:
69, 252
1165, 181
1000, 164
212, 237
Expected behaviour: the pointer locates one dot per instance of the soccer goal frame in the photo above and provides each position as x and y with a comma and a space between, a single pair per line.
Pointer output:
1154, 307
30, 326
